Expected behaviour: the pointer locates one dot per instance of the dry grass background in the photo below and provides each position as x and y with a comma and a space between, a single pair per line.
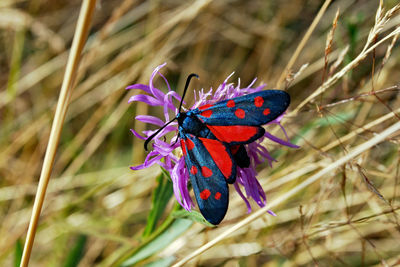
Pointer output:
337, 197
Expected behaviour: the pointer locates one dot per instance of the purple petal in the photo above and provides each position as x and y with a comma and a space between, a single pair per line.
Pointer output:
138, 135
158, 136
263, 152
251, 84
158, 94
180, 179
164, 149
146, 99
153, 160
152, 88
139, 86
279, 141
236, 185
150, 119
168, 164
174, 143
272, 213
177, 96
138, 167
278, 120
174, 158
155, 92
174, 177
168, 101
163, 132
260, 194
252, 186
166, 81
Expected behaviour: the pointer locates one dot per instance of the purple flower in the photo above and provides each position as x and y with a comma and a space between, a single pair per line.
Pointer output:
165, 154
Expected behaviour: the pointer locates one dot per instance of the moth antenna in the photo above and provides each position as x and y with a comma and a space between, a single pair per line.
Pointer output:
180, 107
154, 134
176, 141
186, 87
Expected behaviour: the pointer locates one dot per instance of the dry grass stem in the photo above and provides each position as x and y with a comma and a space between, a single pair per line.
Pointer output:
81, 32
331, 81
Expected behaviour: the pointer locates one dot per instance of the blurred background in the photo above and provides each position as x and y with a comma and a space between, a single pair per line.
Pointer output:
99, 213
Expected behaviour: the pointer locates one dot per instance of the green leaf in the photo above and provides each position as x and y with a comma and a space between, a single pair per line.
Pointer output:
164, 262
192, 215
18, 253
160, 242
161, 195
323, 122
75, 254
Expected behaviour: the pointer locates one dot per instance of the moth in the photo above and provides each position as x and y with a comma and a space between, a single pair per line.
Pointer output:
212, 139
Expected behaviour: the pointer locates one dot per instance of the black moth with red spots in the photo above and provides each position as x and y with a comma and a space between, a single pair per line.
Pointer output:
213, 137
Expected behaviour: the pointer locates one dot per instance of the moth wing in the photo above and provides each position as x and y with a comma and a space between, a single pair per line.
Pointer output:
252, 110
206, 171
240, 156
236, 134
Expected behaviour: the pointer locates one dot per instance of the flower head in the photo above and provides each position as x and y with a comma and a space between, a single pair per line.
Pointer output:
164, 154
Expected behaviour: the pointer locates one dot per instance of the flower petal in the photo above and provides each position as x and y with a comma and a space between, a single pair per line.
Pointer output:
139, 86
166, 81
168, 105
155, 92
279, 141
272, 213
138, 135
236, 185
146, 99
150, 119
180, 179
163, 132
138, 167
153, 160
152, 88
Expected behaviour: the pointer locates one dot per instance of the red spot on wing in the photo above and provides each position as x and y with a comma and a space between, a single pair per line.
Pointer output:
230, 104
258, 101
235, 133
183, 147
217, 195
266, 111
193, 170
206, 172
207, 113
189, 144
205, 107
219, 154
234, 149
240, 113
205, 194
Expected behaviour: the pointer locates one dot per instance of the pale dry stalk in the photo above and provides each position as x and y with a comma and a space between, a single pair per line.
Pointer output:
81, 33
329, 42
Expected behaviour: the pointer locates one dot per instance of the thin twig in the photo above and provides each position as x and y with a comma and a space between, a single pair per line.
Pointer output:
340, 74
81, 33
